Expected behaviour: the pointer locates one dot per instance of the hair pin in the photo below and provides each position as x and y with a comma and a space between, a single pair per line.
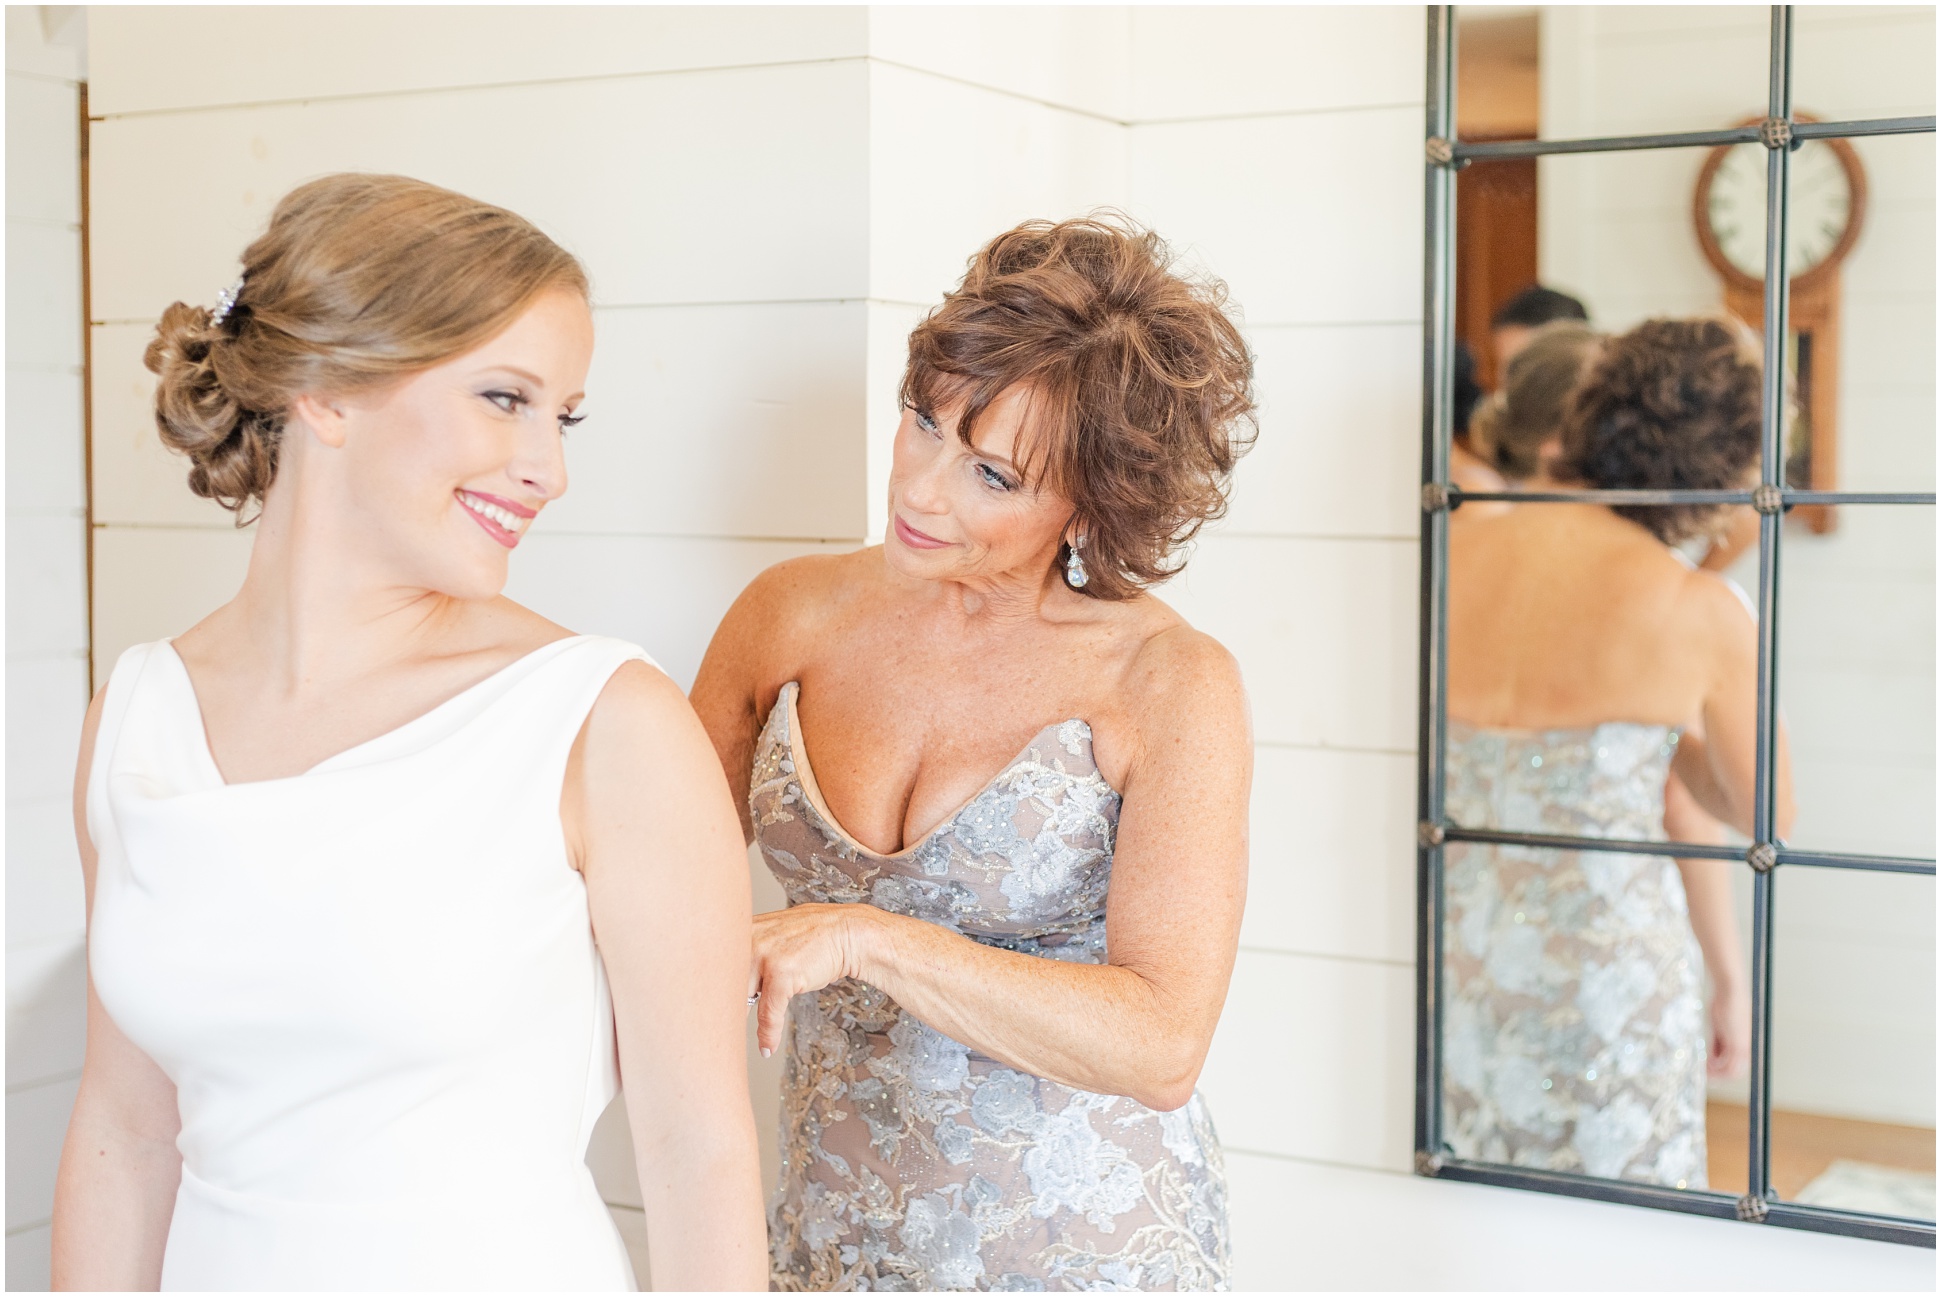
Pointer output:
226, 302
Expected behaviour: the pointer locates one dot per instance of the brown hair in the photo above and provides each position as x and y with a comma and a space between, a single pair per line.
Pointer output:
1141, 385
1671, 405
359, 281
1510, 428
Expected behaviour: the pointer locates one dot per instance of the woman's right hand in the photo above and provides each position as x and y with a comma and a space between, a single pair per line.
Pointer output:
802, 948
1730, 1054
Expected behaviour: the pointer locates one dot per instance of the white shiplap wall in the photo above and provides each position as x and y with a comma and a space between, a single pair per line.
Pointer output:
47, 625
767, 199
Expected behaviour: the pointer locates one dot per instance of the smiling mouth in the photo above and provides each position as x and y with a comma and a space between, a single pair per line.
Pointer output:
913, 538
500, 519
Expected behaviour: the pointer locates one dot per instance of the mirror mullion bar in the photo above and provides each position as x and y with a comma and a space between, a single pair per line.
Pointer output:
1772, 465
1457, 496
1872, 126
1484, 151
1859, 497
1487, 150
1438, 404
1567, 842
1847, 860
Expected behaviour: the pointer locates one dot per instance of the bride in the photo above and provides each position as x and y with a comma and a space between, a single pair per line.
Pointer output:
372, 853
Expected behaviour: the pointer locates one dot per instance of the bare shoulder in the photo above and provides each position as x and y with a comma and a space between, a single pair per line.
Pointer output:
797, 593
1182, 679
1714, 609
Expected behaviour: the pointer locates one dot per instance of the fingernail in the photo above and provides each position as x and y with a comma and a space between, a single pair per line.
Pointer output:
767, 1052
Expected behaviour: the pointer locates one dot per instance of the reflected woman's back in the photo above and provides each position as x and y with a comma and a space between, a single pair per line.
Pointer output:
1589, 664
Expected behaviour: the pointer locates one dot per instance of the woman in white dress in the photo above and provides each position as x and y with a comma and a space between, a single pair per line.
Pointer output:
367, 847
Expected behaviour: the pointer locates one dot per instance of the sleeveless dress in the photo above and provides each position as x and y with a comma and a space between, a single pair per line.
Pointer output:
1574, 1031
373, 984
912, 1162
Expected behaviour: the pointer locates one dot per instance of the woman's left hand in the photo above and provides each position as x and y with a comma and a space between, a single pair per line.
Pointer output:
802, 948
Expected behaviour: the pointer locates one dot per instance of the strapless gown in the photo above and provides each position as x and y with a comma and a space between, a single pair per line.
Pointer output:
912, 1162
373, 984
1574, 1030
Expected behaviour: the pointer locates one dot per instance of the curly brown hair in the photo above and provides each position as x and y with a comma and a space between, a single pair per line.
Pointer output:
1671, 405
1141, 385
360, 280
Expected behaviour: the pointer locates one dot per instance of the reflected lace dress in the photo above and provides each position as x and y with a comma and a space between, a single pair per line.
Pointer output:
1574, 1030
910, 1161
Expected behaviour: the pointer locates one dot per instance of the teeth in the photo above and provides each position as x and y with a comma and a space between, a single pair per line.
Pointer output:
504, 517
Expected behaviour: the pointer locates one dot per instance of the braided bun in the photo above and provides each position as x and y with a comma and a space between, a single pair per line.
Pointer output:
231, 449
360, 281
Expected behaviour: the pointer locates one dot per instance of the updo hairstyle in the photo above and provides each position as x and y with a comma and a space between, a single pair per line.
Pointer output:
1671, 405
360, 280
1141, 386
1511, 426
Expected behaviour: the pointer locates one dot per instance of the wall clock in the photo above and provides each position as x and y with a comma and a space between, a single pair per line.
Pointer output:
1828, 205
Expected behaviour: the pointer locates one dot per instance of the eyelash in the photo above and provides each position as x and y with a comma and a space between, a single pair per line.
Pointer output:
993, 478
514, 400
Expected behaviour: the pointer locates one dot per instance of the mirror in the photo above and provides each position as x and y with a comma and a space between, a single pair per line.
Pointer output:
1856, 681
1853, 1042
1574, 1027
1595, 1005
1682, 230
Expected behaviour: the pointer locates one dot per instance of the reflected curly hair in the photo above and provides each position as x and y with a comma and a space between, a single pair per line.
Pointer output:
1141, 386
1671, 405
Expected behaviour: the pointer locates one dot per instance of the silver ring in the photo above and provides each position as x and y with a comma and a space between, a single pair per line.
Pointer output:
751, 999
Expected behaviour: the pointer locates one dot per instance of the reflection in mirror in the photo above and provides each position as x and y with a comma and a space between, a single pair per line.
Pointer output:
1857, 61
1856, 680
1601, 662
1601, 686
1680, 231
1853, 1041
1575, 1035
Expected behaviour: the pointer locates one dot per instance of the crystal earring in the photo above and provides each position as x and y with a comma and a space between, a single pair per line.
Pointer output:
1075, 566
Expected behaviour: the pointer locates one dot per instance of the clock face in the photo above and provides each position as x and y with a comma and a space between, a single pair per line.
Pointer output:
1821, 208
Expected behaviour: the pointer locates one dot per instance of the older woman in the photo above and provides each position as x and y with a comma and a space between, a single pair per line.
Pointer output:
990, 1068
1587, 664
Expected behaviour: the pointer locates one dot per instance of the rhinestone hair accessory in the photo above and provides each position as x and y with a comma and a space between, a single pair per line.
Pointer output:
226, 302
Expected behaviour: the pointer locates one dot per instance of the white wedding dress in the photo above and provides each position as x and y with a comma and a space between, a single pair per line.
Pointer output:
373, 984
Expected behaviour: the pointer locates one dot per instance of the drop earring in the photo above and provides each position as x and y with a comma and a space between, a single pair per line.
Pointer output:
1075, 565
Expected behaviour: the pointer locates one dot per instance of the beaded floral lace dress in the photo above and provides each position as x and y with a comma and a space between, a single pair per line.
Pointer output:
1574, 1032
912, 1162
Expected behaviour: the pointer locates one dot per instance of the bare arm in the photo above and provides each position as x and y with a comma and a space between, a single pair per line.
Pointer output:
1708, 896
115, 1192
737, 675
1138, 1026
1717, 765
667, 884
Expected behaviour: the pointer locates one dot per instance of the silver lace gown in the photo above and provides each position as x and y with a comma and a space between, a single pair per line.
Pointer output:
1574, 1029
910, 1161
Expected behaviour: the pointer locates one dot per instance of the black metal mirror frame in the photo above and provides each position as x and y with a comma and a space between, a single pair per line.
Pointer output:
1445, 155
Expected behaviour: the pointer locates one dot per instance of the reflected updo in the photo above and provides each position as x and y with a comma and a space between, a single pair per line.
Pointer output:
1510, 428
1141, 385
1671, 405
359, 281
